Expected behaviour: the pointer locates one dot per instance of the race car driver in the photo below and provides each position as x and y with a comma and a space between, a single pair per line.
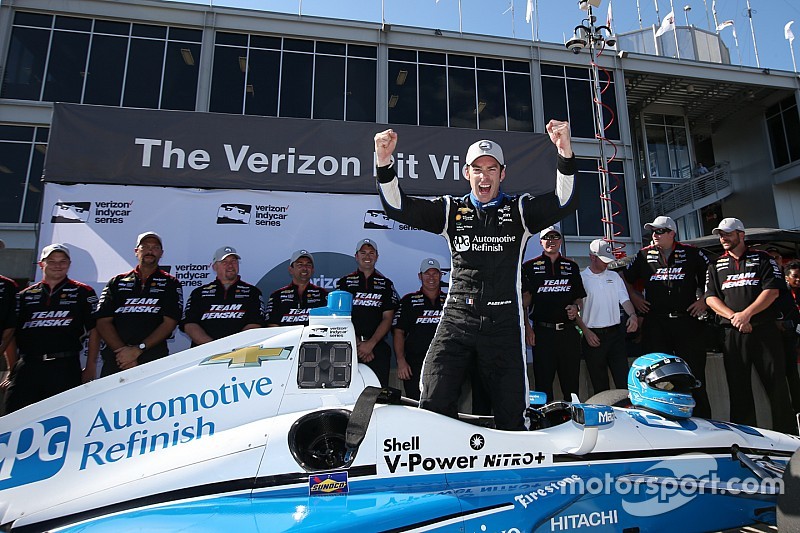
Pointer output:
486, 232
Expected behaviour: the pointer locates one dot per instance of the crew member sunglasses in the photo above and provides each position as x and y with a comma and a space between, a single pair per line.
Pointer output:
661, 231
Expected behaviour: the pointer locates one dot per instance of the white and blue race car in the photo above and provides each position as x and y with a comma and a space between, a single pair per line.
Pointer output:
281, 429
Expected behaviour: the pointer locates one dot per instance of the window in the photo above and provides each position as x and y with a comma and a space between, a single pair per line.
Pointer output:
93, 61
588, 219
277, 77
435, 89
783, 125
22, 151
568, 95
667, 150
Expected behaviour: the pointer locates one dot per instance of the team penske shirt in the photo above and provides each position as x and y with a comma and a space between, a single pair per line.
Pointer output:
553, 286
739, 282
418, 316
224, 311
670, 283
139, 306
50, 321
8, 304
287, 307
371, 297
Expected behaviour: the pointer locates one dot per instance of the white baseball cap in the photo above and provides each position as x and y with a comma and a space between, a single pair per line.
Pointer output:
602, 249
550, 229
146, 234
50, 248
485, 147
661, 222
370, 242
728, 225
428, 264
224, 252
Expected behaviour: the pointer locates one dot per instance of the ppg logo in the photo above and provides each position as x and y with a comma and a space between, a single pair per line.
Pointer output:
461, 243
33, 453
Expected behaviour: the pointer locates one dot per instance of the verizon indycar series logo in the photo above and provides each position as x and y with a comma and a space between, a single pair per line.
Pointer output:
71, 212
33, 453
234, 214
377, 219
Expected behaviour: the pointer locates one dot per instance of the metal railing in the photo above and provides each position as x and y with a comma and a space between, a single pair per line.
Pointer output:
695, 193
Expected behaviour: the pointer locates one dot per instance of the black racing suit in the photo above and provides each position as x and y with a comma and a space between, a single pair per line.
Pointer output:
482, 322
287, 307
671, 284
222, 311
51, 325
738, 283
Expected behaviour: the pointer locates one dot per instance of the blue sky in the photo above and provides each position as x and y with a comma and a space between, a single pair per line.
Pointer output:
558, 18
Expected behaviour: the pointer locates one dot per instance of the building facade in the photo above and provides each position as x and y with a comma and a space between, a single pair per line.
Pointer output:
663, 115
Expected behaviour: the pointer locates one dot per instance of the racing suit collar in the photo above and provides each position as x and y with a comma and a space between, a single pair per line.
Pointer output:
494, 202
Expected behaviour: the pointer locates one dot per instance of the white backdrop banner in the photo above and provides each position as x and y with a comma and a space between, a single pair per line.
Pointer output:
100, 224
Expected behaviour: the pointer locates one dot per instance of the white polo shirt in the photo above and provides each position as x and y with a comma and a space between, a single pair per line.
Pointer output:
605, 293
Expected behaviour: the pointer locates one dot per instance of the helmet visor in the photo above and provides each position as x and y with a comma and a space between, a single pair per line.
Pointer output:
673, 377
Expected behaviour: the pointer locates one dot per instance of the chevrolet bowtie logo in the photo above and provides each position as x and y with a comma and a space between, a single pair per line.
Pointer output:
248, 356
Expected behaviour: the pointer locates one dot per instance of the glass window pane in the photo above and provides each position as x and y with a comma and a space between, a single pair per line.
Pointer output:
589, 206
575, 72
106, 70
554, 94
610, 118
260, 41
362, 79
552, 70
455, 60
180, 76
298, 45
518, 102
658, 152
22, 18
491, 101
402, 93
33, 199
581, 113
462, 98
13, 172
337, 49
113, 28
149, 30
518, 66
227, 80
42, 134
296, 75
329, 87
73, 23
25, 64
792, 124
357, 50
399, 54
432, 58
185, 34
67, 67
261, 96
16, 133
143, 82
432, 96
777, 140
235, 39
489, 63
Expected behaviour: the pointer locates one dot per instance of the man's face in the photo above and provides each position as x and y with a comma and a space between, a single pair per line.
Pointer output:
485, 175
149, 252
55, 266
431, 279
227, 270
551, 242
301, 270
366, 257
663, 238
730, 240
597, 264
793, 278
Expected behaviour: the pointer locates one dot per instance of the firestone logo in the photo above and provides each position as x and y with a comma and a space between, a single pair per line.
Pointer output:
33, 453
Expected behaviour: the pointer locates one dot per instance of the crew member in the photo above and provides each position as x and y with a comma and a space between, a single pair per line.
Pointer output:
225, 306
289, 305
374, 303
741, 287
139, 310
8, 317
415, 323
486, 232
673, 276
53, 317
554, 288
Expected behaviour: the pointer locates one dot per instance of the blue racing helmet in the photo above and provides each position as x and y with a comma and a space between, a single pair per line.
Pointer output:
663, 384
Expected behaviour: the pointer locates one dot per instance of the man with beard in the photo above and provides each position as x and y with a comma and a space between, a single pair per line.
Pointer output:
139, 309
741, 287
225, 306
289, 305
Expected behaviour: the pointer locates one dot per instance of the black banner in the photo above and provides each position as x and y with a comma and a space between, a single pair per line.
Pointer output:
111, 145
